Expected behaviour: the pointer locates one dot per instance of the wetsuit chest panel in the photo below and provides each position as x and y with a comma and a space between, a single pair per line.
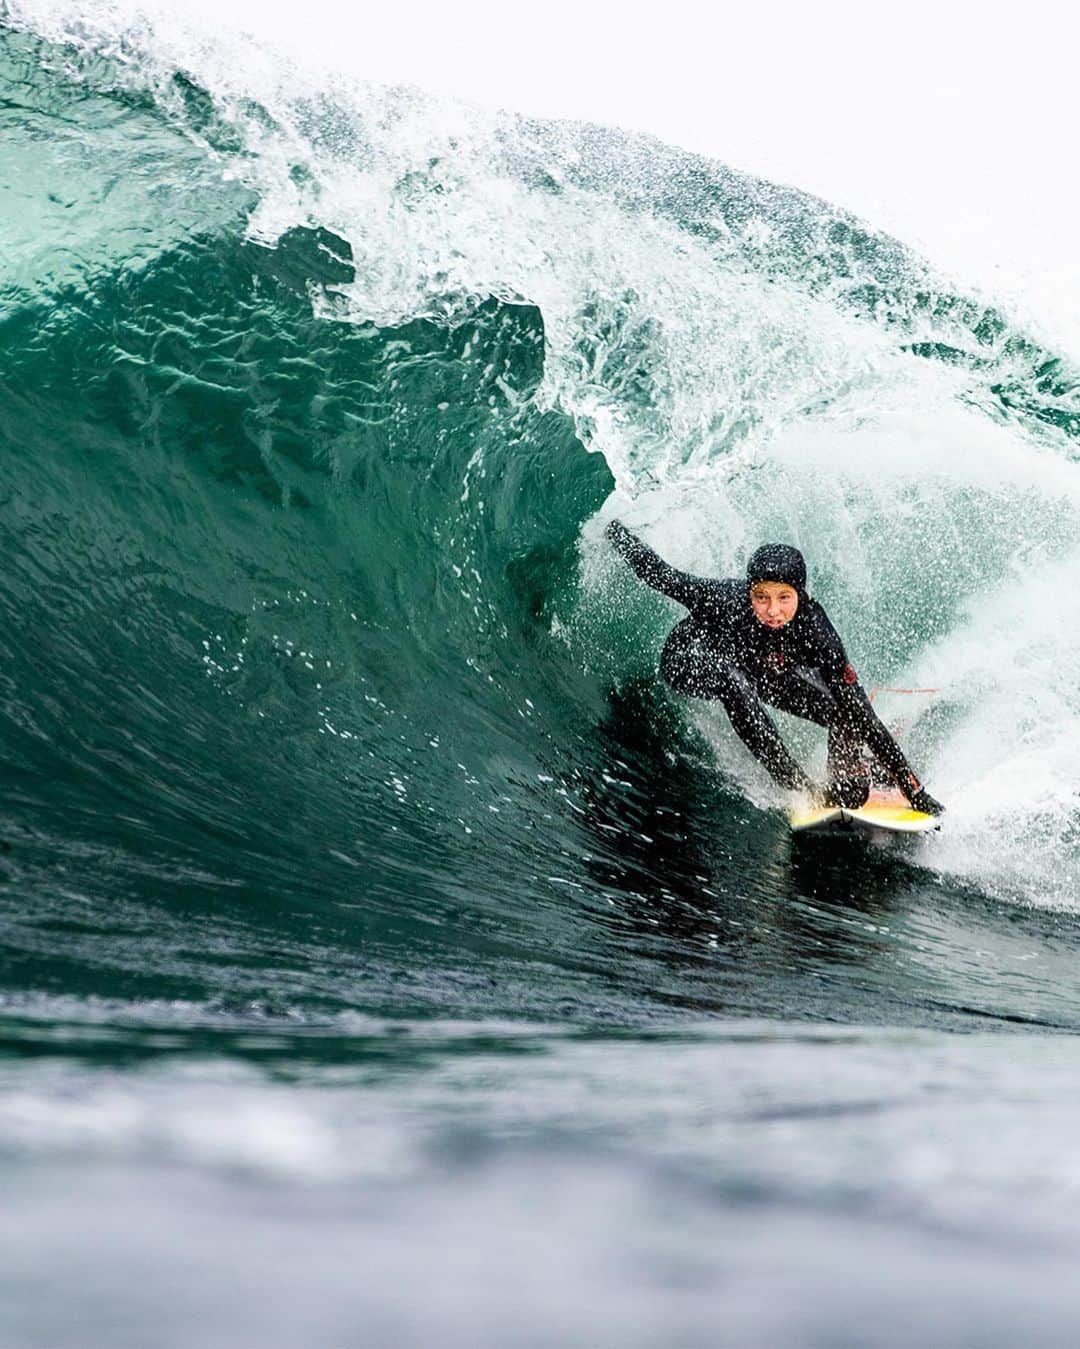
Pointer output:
724, 622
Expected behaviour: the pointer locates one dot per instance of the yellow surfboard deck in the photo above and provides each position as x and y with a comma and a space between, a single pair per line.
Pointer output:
884, 810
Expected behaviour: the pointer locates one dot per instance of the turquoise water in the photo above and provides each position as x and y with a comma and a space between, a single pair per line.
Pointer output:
373, 924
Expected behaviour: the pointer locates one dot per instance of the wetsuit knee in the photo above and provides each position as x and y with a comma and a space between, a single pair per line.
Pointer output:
691, 668
694, 669
732, 686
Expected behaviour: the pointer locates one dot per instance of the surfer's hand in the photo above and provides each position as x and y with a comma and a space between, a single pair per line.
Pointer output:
621, 539
918, 797
922, 800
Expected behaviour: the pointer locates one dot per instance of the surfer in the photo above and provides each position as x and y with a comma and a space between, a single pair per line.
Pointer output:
764, 640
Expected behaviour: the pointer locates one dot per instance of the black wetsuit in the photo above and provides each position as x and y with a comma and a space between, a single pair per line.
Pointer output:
722, 651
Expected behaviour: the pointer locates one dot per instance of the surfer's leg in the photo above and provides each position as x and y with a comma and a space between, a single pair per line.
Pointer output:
845, 760
754, 727
731, 685
803, 694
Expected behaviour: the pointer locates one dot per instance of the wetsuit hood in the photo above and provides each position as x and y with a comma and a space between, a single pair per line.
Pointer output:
778, 562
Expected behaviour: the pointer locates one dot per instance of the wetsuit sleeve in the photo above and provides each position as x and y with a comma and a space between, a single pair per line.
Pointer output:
844, 685
651, 568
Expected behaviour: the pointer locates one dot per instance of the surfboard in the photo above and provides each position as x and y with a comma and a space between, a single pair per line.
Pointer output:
884, 810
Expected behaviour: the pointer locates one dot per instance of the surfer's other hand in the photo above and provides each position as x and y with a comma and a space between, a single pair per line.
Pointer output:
615, 531
922, 800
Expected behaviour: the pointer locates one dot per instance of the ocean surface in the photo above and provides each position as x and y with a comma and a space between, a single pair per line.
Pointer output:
385, 957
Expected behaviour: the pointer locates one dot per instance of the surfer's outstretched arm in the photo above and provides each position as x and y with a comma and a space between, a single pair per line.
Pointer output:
651, 568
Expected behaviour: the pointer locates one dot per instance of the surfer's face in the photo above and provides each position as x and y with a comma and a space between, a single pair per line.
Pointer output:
773, 602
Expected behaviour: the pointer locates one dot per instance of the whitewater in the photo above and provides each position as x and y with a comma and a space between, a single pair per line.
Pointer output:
373, 919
